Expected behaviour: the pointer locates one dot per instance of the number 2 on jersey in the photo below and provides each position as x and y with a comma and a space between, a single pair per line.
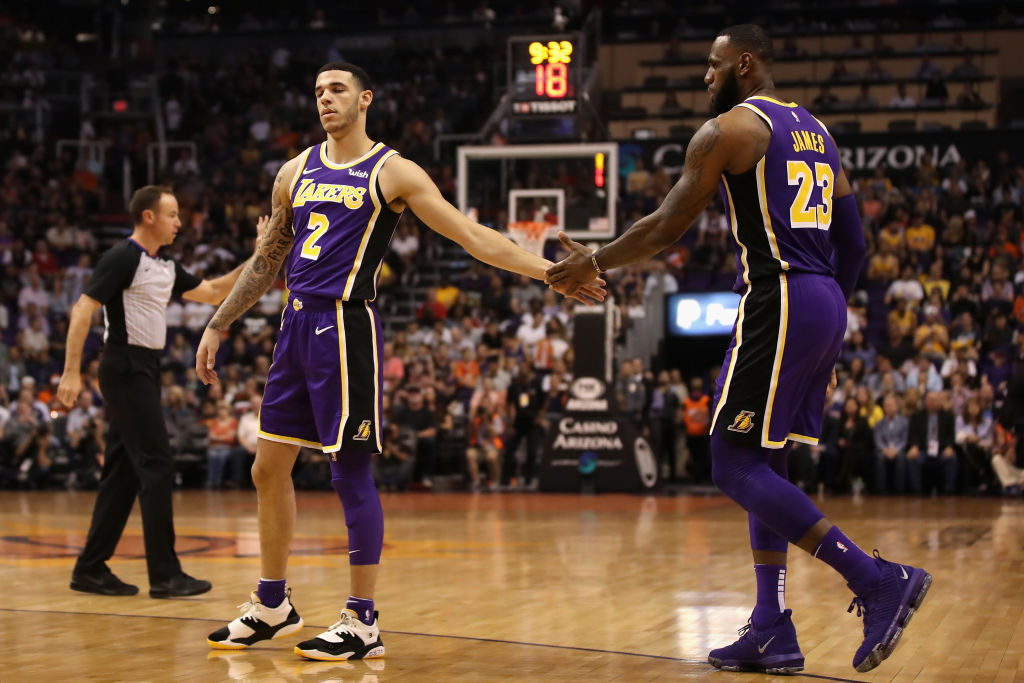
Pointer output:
318, 224
801, 214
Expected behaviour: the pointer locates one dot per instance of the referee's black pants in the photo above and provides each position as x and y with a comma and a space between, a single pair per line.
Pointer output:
138, 462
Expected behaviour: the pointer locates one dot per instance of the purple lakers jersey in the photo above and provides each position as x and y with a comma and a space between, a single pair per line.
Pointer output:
780, 210
342, 225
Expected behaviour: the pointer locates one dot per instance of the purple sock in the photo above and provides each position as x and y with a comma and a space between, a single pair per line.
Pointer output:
362, 607
271, 592
771, 594
858, 568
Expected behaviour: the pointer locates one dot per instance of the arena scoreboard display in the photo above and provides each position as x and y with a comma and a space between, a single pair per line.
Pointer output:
545, 75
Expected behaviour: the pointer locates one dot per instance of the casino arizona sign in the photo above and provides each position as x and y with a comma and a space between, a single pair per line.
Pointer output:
899, 157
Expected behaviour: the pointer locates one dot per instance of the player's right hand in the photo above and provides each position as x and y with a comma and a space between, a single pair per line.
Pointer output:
69, 388
206, 356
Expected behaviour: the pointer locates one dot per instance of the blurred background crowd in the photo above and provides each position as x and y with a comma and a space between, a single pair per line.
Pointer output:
476, 363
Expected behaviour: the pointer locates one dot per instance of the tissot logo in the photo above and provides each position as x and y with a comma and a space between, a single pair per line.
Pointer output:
357, 173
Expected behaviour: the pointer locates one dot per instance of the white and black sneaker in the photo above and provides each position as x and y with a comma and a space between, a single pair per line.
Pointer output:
258, 622
349, 638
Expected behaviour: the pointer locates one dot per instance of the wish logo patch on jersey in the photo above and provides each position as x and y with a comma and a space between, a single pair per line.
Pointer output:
363, 431
743, 422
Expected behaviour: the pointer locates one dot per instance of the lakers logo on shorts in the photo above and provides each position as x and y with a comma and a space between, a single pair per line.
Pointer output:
297, 304
363, 431
743, 422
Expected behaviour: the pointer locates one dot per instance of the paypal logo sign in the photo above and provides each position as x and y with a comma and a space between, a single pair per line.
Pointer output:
702, 314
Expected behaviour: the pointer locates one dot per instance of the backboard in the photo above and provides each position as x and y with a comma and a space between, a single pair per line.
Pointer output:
572, 186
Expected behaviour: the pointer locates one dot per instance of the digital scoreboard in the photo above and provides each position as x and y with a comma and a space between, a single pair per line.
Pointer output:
544, 75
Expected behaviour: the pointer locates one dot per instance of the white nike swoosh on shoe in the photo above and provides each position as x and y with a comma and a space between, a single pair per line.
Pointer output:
761, 648
322, 329
903, 570
308, 171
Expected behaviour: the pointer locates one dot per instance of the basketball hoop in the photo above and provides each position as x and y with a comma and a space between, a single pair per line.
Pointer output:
530, 235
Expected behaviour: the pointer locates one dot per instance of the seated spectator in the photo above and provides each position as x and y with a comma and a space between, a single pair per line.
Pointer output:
884, 265
865, 101
84, 432
961, 361
825, 100
906, 290
485, 431
922, 375
885, 379
431, 309
975, 434
920, 239
856, 47
970, 97
853, 442
247, 434
901, 100
931, 339
858, 347
223, 437
392, 468
926, 70
936, 281
893, 237
966, 68
447, 293
419, 419
1004, 461
931, 452
935, 92
890, 438
876, 72
840, 72
998, 333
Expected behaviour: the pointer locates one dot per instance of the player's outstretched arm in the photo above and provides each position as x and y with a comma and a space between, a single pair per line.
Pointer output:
258, 274
707, 157
405, 180
215, 290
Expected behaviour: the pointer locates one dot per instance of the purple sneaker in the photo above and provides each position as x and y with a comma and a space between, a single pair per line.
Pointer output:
771, 650
887, 610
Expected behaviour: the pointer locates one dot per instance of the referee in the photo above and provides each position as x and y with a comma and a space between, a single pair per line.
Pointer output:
133, 283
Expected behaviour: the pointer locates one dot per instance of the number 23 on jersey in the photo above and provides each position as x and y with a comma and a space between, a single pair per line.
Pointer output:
801, 213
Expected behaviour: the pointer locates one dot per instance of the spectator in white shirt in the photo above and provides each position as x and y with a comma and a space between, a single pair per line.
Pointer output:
902, 100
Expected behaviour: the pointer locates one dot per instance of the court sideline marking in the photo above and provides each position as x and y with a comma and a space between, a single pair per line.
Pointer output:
421, 635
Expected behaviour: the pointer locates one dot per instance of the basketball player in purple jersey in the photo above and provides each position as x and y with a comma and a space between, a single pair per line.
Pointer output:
334, 210
799, 246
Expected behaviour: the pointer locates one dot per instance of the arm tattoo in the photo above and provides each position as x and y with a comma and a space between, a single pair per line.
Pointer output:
684, 202
681, 199
261, 270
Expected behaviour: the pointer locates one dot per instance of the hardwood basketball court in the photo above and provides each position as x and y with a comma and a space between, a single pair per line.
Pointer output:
499, 587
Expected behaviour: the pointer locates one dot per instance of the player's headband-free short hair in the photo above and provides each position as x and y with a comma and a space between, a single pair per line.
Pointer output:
146, 198
358, 73
751, 38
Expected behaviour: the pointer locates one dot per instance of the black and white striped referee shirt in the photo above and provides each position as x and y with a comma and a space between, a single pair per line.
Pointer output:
134, 289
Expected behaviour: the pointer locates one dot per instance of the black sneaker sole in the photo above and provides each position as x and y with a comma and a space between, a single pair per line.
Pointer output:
375, 652
100, 590
884, 650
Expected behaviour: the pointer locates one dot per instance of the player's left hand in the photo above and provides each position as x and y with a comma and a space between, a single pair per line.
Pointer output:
206, 356
261, 230
573, 272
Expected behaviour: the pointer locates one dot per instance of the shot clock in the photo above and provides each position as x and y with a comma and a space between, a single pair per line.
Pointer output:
544, 74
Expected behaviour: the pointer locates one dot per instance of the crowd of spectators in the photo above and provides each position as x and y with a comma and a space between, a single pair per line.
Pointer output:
925, 399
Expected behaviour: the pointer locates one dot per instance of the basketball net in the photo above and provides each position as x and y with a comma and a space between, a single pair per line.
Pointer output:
530, 235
